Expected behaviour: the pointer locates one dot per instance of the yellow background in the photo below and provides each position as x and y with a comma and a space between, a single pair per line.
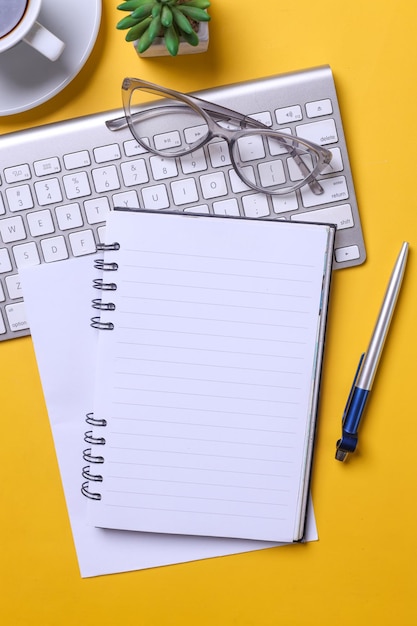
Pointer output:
363, 568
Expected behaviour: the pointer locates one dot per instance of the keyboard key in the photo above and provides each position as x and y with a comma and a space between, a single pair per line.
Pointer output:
17, 173
334, 190
284, 203
107, 153
47, 166
48, 192
14, 287
106, 179
319, 107
347, 253
155, 197
2, 207
19, 198
2, 325
255, 205
264, 117
340, 215
69, 216
271, 173
134, 172
133, 148
82, 242
5, 264
54, 249
16, 316
40, 223
2, 295
219, 154
184, 191
251, 148
289, 114
96, 210
237, 183
26, 254
213, 185
126, 200
195, 133
163, 168
77, 160
194, 162
226, 207
12, 229
167, 141
76, 185
336, 164
322, 133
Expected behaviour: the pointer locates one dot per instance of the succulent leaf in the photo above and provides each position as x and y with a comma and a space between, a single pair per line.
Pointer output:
145, 41
143, 11
155, 27
131, 5
194, 13
166, 16
172, 40
137, 31
181, 21
199, 4
126, 22
191, 38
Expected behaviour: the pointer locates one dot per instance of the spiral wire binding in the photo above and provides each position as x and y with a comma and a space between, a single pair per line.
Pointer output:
102, 285
90, 437
92, 458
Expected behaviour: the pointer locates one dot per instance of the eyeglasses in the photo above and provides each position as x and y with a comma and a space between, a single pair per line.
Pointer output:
174, 124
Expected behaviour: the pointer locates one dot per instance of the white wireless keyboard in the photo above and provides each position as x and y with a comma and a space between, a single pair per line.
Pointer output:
59, 181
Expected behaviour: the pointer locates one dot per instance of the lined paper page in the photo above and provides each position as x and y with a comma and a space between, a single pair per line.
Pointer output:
206, 379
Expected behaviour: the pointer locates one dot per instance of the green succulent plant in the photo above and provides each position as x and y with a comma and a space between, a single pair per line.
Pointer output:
170, 19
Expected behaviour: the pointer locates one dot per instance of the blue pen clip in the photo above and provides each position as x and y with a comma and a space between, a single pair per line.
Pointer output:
352, 414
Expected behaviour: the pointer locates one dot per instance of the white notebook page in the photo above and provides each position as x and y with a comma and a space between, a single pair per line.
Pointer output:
206, 379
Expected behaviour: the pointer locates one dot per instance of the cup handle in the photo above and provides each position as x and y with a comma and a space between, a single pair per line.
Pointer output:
44, 41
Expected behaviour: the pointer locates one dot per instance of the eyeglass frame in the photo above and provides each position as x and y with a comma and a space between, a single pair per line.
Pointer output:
207, 110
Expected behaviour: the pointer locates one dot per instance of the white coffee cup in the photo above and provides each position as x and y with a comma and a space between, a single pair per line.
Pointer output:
18, 22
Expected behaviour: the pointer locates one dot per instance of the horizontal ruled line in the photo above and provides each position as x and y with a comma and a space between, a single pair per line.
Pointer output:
203, 395
202, 454
177, 510
185, 467
218, 304
204, 410
206, 380
205, 440
215, 365
200, 424
199, 483
212, 350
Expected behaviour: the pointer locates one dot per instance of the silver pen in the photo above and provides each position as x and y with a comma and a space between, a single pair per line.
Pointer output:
369, 361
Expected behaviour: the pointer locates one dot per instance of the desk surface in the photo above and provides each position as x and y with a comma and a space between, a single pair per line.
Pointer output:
363, 566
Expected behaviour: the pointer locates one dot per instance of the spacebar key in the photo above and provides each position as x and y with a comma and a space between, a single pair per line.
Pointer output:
16, 316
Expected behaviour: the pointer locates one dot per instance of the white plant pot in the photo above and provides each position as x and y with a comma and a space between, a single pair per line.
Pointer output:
158, 48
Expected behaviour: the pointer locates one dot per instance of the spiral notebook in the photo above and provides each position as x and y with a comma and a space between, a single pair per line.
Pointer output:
208, 374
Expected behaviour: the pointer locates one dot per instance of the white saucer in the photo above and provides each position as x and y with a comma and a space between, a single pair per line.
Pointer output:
27, 79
